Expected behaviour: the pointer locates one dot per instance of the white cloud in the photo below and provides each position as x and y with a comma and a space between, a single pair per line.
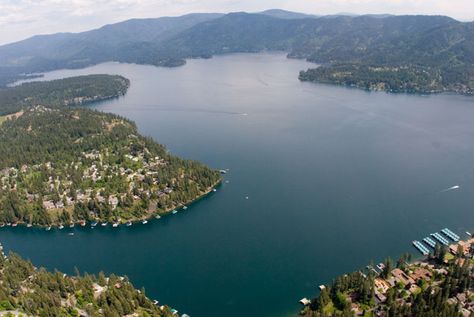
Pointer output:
23, 18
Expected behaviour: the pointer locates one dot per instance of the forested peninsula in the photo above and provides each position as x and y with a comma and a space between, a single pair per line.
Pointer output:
62, 165
71, 91
29, 291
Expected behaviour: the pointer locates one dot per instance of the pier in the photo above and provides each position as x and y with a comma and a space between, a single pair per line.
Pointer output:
429, 242
451, 234
424, 250
440, 238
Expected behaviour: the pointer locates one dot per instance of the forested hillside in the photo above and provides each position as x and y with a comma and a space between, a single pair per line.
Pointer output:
394, 53
64, 92
62, 166
30, 291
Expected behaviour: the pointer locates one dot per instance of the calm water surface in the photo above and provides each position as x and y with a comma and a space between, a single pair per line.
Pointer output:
335, 177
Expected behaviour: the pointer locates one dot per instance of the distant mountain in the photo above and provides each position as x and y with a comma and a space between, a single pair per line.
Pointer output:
442, 44
282, 14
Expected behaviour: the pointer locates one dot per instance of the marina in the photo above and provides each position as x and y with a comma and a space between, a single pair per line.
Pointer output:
437, 238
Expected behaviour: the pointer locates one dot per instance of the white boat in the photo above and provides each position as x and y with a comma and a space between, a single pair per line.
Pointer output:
468, 233
115, 225
61, 227
157, 217
144, 222
104, 224
70, 234
48, 228
214, 190
174, 212
71, 225
185, 207
129, 224
29, 225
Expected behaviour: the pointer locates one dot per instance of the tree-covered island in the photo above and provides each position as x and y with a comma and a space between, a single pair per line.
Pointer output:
29, 291
63, 165
441, 285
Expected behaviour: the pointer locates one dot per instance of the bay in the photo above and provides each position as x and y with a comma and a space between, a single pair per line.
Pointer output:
321, 180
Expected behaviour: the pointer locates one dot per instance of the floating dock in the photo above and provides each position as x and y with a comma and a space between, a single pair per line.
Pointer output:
429, 242
424, 250
450, 234
440, 238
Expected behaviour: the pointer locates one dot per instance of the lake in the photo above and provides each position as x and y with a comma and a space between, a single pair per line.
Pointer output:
322, 179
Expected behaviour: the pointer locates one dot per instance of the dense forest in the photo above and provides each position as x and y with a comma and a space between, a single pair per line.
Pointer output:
30, 291
409, 79
56, 93
62, 165
416, 53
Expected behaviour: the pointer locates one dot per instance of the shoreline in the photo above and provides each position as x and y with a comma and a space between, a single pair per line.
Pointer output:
149, 216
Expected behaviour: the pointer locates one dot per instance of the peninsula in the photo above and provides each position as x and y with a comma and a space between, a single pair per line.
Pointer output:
63, 165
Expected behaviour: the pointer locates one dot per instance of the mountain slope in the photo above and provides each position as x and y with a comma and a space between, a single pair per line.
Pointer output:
437, 45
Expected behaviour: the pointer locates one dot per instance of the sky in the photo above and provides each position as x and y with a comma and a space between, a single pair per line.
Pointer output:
20, 19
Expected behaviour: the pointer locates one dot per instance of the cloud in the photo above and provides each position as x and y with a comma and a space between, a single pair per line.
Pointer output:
23, 18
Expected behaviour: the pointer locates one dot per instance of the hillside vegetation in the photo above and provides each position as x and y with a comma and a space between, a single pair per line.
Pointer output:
30, 291
393, 53
64, 92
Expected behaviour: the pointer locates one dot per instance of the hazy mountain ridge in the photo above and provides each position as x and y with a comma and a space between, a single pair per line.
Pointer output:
375, 40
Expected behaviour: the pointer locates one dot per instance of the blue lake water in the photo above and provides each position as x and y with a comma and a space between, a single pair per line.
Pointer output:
335, 177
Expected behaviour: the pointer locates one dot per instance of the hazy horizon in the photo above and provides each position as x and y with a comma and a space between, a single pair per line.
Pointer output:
22, 19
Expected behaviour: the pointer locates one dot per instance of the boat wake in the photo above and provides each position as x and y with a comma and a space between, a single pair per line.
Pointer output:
455, 187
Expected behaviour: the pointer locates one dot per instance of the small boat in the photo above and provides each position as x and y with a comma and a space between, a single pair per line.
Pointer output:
2, 225
83, 223
104, 224
115, 225
144, 222
71, 225
9, 224
14, 224
156, 302
214, 190
93, 224
129, 224
227, 182
246, 197
157, 217
61, 227
174, 212
185, 207
468, 233
223, 171
70, 234
48, 228
29, 225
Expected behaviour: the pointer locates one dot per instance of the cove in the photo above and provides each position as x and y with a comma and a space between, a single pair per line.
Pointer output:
335, 177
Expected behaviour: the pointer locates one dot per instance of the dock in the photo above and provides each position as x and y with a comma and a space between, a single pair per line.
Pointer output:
451, 234
424, 250
440, 238
429, 242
